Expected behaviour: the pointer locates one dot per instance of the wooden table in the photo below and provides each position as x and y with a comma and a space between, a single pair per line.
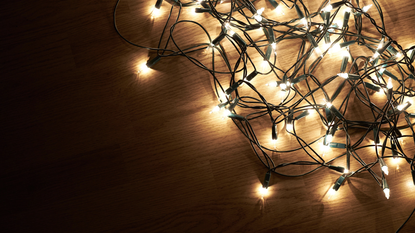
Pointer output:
90, 146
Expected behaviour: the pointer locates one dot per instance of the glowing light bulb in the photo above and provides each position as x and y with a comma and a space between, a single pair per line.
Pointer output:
263, 191
274, 47
318, 51
305, 22
279, 10
226, 113
346, 171
348, 9
258, 16
345, 53
385, 169
328, 8
272, 84
264, 65
155, 13
343, 75
215, 109
366, 8
331, 193
390, 84
328, 105
289, 127
387, 192
283, 86
143, 68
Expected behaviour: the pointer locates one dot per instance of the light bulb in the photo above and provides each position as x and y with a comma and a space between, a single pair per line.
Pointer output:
274, 47
263, 191
328, 8
143, 68
343, 75
366, 8
390, 84
304, 21
283, 86
345, 53
215, 109
327, 139
346, 171
155, 13
279, 10
387, 192
258, 16
385, 169
272, 84
289, 126
318, 52
226, 113
328, 105
376, 55
331, 193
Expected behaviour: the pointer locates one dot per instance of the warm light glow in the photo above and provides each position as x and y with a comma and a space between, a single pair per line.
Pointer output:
366, 8
385, 170
328, 8
258, 16
279, 10
328, 105
331, 193
264, 65
390, 84
346, 171
263, 191
283, 86
155, 13
226, 113
343, 75
215, 109
143, 68
345, 53
289, 127
387, 193
318, 51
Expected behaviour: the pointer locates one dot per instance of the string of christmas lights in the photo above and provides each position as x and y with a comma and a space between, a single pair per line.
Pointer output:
374, 73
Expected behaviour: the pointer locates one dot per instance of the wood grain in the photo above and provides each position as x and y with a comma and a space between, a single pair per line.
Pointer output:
89, 146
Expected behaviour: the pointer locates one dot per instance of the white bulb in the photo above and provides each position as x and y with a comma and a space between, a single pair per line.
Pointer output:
258, 18
331, 193
328, 105
259, 12
318, 51
304, 21
143, 68
347, 9
366, 8
215, 109
345, 53
283, 86
346, 171
385, 170
387, 193
263, 191
401, 106
274, 46
231, 33
155, 13
329, 137
226, 113
390, 84
289, 127
343, 75
272, 84
278, 9
328, 8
